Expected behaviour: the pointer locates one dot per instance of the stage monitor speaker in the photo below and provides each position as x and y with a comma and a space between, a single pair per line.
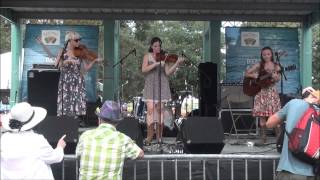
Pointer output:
132, 128
202, 135
233, 92
43, 89
53, 128
208, 89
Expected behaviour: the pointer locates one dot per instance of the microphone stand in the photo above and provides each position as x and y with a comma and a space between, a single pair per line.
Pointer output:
160, 108
120, 88
62, 53
281, 77
189, 64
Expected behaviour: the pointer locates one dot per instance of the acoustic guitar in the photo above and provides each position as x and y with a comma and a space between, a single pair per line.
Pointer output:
252, 86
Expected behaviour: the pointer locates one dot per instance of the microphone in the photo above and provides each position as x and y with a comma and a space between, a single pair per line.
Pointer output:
281, 52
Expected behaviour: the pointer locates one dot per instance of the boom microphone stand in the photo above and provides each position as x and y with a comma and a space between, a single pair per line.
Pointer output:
282, 75
119, 89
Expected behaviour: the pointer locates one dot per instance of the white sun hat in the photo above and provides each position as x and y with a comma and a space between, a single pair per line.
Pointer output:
23, 117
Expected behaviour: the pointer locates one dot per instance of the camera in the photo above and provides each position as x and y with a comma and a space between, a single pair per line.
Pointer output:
305, 94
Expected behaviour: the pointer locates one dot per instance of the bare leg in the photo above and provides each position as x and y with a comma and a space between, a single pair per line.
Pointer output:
150, 122
159, 126
263, 129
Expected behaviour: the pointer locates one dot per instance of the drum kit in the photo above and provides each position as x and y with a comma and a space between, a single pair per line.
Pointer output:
174, 110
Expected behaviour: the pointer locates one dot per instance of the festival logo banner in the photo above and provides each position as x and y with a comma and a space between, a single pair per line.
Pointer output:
243, 46
53, 36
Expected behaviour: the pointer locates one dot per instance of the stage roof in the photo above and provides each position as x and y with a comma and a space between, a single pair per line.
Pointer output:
203, 10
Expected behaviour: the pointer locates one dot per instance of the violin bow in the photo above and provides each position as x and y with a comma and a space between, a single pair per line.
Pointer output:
63, 51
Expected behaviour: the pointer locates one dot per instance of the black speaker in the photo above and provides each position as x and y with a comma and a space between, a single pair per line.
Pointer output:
202, 135
233, 92
132, 128
53, 128
208, 89
43, 89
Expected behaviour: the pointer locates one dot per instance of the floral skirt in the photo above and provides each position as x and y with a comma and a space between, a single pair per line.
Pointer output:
266, 102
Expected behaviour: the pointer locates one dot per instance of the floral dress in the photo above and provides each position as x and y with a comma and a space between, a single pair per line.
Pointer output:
71, 99
266, 102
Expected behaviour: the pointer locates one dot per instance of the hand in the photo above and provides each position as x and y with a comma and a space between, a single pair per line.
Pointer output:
99, 60
38, 39
255, 75
308, 89
61, 142
180, 60
160, 63
74, 62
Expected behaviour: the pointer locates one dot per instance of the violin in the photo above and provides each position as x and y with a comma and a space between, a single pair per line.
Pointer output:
167, 58
84, 53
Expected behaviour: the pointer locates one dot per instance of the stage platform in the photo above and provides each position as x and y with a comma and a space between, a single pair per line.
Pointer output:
244, 144
164, 162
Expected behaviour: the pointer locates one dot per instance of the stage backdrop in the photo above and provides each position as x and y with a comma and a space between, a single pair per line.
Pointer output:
243, 46
53, 36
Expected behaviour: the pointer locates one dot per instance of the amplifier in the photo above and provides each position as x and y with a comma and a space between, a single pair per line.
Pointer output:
233, 93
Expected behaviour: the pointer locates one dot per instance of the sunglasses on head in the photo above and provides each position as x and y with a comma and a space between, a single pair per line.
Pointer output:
77, 40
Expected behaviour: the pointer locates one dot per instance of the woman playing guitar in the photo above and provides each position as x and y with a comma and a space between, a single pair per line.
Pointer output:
264, 75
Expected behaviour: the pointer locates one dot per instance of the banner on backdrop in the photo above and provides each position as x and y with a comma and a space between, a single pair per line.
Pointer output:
243, 46
53, 37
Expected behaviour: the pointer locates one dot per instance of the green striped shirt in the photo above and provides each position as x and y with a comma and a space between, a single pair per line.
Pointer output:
102, 152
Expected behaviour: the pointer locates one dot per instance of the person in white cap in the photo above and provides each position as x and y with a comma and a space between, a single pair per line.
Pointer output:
24, 153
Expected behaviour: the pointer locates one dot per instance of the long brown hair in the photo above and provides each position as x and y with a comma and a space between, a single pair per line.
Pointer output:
262, 61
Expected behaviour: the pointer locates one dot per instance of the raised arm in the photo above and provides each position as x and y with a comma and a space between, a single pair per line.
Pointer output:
88, 64
252, 72
44, 47
146, 67
58, 62
276, 75
171, 69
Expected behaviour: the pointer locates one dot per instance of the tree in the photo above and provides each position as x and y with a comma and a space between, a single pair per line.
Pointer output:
5, 31
177, 37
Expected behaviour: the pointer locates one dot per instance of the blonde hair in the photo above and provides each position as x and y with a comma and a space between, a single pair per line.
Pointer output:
72, 35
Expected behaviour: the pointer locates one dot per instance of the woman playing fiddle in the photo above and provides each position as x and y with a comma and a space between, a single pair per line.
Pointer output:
73, 61
153, 62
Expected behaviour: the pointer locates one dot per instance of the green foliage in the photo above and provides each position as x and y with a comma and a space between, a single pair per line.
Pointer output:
316, 57
5, 31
